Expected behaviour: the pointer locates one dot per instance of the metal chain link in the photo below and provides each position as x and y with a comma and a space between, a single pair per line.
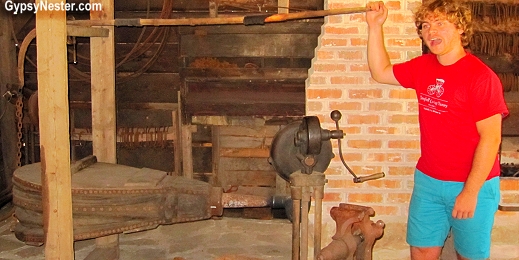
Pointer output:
19, 117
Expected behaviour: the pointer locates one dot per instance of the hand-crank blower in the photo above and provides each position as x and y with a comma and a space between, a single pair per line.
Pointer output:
300, 153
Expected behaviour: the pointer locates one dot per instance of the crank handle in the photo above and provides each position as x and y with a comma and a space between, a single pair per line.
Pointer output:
369, 177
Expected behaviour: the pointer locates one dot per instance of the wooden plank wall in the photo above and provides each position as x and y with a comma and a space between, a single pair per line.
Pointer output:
242, 161
496, 34
145, 96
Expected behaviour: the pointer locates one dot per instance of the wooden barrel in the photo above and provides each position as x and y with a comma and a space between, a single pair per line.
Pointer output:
110, 199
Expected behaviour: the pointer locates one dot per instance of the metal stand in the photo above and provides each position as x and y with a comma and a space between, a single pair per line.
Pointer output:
300, 153
303, 187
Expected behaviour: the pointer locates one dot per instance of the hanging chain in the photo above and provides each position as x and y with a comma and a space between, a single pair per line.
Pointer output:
19, 117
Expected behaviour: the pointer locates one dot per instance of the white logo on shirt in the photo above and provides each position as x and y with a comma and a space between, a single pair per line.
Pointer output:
436, 89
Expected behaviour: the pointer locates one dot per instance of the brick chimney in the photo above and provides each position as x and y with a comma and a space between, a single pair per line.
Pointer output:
381, 126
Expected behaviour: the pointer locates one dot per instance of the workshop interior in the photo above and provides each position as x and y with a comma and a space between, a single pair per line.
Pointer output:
140, 115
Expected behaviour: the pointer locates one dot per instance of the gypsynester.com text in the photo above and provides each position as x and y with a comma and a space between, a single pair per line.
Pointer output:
44, 5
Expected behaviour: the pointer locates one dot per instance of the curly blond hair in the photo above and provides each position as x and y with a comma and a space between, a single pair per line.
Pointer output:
453, 11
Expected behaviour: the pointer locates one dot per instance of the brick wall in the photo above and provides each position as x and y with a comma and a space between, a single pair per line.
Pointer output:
381, 127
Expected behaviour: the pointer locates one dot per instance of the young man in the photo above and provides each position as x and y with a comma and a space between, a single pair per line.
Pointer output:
461, 107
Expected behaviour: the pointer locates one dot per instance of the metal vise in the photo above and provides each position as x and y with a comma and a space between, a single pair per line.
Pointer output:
355, 233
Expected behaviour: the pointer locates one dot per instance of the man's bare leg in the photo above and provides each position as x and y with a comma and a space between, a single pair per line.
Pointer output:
425, 253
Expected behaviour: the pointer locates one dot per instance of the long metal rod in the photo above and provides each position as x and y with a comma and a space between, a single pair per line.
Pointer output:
318, 196
216, 20
304, 222
296, 235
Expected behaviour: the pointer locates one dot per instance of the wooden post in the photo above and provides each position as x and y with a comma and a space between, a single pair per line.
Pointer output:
187, 150
213, 8
283, 6
51, 46
215, 139
102, 52
8, 133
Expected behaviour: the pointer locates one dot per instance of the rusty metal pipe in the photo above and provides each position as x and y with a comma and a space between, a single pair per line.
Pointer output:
304, 222
318, 195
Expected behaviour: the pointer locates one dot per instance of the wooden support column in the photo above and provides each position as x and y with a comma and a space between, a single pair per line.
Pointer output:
51, 46
8, 133
102, 52
187, 150
283, 6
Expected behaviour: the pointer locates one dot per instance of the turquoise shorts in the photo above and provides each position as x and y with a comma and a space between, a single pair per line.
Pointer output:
430, 216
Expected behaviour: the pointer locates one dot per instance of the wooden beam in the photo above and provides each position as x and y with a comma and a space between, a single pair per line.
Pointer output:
102, 52
8, 133
104, 133
218, 20
283, 6
51, 45
84, 31
187, 150
213, 8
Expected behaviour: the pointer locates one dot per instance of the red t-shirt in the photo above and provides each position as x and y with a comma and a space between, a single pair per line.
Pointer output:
451, 100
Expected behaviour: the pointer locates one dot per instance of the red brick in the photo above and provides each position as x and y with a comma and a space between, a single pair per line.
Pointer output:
396, 17
398, 197
359, 67
352, 157
391, 30
335, 19
404, 144
351, 130
365, 169
413, 130
314, 106
343, 4
332, 197
319, 80
357, 18
364, 198
363, 119
359, 42
323, 93
341, 184
385, 106
341, 30
334, 170
365, 144
412, 107
365, 93
386, 210
383, 130
347, 80
385, 183
393, 5
329, 67
510, 198
325, 55
511, 184
345, 106
385, 157
403, 119
412, 157
401, 171
402, 93
350, 55
334, 42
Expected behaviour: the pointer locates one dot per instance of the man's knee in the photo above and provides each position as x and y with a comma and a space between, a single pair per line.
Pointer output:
425, 253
